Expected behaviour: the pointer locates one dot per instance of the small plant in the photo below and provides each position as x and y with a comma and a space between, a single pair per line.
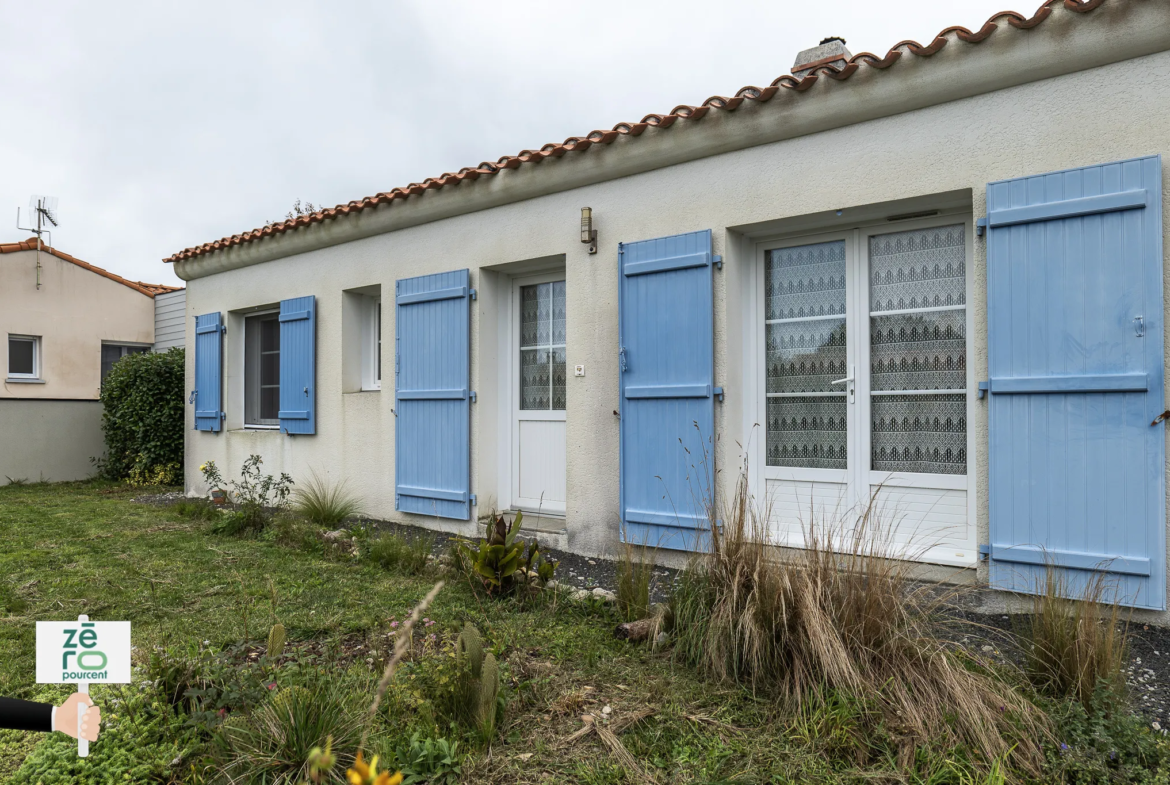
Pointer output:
325, 504
256, 494
497, 560
1076, 646
275, 641
478, 693
635, 570
392, 551
434, 761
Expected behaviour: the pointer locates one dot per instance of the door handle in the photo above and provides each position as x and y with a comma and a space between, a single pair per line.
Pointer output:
849, 382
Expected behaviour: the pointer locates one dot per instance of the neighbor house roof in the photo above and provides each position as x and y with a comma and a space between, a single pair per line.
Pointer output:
690, 114
149, 289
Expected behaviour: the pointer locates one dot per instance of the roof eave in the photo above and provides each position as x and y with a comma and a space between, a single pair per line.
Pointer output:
956, 68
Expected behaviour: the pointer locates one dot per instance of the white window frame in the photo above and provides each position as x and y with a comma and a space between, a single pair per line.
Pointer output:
861, 477
35, 376
244, 371
371, 318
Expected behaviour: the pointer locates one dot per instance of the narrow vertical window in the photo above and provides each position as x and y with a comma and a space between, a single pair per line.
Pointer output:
371, 314
24, 360
918, 351
262, 370
542, 346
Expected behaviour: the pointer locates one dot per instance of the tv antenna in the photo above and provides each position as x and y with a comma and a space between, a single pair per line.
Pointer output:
43, 211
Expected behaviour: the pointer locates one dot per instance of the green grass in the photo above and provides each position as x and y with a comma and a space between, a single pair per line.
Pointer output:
86, 548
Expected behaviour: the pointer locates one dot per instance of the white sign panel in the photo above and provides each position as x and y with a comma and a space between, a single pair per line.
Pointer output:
82, 651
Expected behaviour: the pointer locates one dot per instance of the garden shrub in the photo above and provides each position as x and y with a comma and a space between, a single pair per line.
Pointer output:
141, 736
325, 504
142, 417
258, 496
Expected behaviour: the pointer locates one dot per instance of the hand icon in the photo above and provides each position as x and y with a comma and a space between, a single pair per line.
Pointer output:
65, 718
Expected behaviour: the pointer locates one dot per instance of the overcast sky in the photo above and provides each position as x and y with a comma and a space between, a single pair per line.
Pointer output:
160, 127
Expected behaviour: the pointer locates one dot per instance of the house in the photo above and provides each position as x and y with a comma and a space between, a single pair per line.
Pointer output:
930, 282
65, 323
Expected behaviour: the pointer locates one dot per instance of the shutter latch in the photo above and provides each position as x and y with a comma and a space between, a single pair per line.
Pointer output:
622, 358
191, 398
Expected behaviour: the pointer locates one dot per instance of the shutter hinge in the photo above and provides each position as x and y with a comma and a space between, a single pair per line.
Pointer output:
472, 499
472, 394
984, 552
984, 388
718, 261
474, 294
980, 227
718, 392
223, 415
223, 329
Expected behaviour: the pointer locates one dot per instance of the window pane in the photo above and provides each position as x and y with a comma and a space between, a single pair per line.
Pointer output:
558, 312
806, 356
529, 314
558, 379
270, 404
807, 432
920, 433
808, 280
20, 356
535, 379
919, 351
270, 333
924, 268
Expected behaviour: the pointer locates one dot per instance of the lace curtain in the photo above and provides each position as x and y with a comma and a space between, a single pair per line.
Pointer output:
918, 350
542, 346
807, 421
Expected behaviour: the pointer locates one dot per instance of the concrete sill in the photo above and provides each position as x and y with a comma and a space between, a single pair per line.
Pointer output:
24, 381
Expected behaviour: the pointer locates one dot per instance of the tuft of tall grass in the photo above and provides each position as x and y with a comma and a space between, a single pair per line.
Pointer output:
272, 743
325, 503
635, 572
196, 509
841, 615
400, 552
1076, 644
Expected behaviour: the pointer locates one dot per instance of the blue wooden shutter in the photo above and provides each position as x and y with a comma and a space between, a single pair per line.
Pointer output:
432, 434
1075, 319
298, 365
666, 389
207, 395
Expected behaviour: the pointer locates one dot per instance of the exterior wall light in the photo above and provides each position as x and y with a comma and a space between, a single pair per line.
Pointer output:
588, 233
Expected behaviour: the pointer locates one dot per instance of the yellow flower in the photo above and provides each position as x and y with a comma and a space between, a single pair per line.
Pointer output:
203, 467
361, 774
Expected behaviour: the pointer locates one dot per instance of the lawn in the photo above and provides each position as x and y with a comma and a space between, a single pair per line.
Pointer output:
88, 548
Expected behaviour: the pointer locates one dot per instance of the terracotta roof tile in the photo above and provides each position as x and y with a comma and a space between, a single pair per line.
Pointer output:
149, 289
682, 112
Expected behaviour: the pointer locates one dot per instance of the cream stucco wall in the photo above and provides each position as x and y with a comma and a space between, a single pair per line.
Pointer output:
937, 156
73, 311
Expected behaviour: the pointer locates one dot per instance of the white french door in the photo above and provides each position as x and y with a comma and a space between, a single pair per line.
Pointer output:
538, 394
866, 398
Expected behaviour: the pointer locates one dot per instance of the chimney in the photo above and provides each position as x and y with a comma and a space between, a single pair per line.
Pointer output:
830, 51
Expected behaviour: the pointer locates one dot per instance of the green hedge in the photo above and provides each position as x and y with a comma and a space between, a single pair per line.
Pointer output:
142, 399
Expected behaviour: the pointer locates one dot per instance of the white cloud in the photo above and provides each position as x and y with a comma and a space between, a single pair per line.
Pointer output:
161, 127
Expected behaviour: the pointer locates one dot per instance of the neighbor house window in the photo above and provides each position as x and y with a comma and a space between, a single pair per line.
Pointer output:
372, 343
112, 352
262, 370
24, 357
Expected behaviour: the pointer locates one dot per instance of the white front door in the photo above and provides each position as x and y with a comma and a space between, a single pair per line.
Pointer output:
538, 394
866, 401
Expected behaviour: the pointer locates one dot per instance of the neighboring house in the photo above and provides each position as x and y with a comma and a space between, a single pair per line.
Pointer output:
170, 320
64, 323
931, 279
